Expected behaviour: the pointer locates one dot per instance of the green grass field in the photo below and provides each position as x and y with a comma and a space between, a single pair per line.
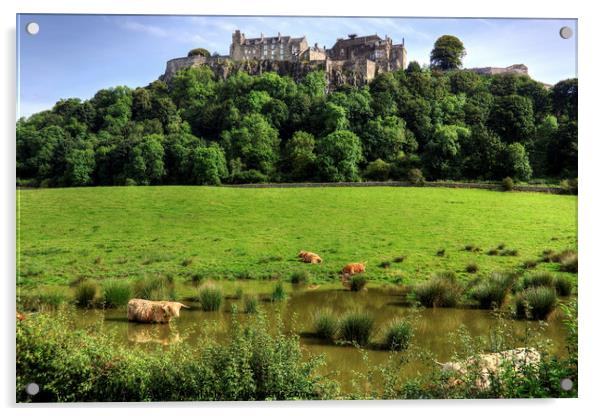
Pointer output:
229, 233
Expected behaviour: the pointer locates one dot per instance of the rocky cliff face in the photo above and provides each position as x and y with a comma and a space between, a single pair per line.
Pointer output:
337, 72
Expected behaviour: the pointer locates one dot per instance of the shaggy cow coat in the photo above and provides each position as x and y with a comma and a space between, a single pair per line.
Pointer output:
149, 311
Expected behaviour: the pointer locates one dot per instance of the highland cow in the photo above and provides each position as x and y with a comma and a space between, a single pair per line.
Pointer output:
148, 311
309, 257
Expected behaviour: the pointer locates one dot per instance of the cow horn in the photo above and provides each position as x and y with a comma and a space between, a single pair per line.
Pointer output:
441, 364
184, 306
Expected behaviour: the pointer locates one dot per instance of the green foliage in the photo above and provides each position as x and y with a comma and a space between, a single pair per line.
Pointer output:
116, 293
208, 165
377, 170
85, 293
563, 286
256, 361
300, 277
278, 293
251, 304
492, 292
325, 324
357, 282
447, 53
535, 303
442, 290
569, 263
210, 297
154, 288
338, 156
415, 177
472, 268
199, 51
356, 327
397, 335
301, 157
507, 183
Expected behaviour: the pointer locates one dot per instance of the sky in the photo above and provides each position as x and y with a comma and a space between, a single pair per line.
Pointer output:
76, 55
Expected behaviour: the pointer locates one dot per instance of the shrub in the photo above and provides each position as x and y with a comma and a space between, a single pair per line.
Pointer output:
249, 176
238, 292
493, 252
116, 293
278, 294
200, 52
441, 252
325, 324
300, 277
563, 286
85, 293
357, 282
442, 290
535, 303
155, 288
472, 268
492, 292
187, 261
569, 264
210, 297
507, 184
251, 304
378, 170
569, 186
398, 335
356, 327
197, 278
415, 177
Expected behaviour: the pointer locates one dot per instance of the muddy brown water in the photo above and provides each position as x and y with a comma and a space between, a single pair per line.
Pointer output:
435, 330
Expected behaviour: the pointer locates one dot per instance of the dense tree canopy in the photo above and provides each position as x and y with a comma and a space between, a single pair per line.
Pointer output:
201, 129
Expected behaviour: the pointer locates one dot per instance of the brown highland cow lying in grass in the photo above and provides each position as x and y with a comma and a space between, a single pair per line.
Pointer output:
149, 311
488, 365
309, 257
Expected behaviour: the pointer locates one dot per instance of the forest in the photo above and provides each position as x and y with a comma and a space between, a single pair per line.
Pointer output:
413, 124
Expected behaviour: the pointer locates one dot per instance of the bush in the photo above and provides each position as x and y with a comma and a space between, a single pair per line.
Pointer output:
278, 294
535, 303
569, 186
398, 335
356, 327
210, 297
300, 277
563, 286
357, 282
85, 293
493, 252
197, 278
415, 177
441, 252
507, 184
325, 324
116, 293
200, 52
442, 290
249, 176
251, 304
378, 170
238, 292
256, 360
155, 288
472, 268
492, 292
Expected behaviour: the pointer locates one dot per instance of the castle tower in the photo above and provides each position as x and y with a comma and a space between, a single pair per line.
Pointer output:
238, 39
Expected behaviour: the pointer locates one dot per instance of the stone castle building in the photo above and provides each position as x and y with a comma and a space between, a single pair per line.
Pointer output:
355, 60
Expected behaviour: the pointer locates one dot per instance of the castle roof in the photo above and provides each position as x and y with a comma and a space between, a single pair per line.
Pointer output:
272, 40
354, 40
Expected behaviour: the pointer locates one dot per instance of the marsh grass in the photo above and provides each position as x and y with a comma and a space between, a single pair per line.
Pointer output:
442, 290
569, 263
187, 262
116, 293
278, 293
397, 335
210, 297
357, 282
251, 303
385, 264
399, 259
530, 264
155, 288
540, 279
440, 252
48, 300
85, 294
493, 252
356, 327
492, 292
472, 268
535, 303
300, 277
325, 324
563, 286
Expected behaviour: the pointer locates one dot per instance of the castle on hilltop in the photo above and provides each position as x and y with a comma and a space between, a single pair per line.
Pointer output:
355, 60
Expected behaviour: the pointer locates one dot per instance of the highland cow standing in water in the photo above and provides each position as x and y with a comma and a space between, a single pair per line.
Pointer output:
148, 311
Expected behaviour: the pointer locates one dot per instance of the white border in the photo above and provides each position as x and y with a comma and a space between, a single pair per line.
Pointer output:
590, 219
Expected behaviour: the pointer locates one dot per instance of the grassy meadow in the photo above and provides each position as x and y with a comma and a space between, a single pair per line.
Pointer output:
403, 234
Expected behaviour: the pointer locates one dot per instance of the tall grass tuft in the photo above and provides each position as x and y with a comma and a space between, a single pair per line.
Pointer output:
85, 293
278, 294
536, 303
398, 335
251, 304
492, 292
541, 279
472, 268
563, 286
116, 293
357, 282
569, 263
210, 297
356, 327
155, 288
442, 290
325, 324
300, 277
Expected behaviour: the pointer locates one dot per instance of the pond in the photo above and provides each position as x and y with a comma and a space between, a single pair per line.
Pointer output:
434, 329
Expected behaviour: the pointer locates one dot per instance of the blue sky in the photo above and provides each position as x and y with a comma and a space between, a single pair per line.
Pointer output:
76, 55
